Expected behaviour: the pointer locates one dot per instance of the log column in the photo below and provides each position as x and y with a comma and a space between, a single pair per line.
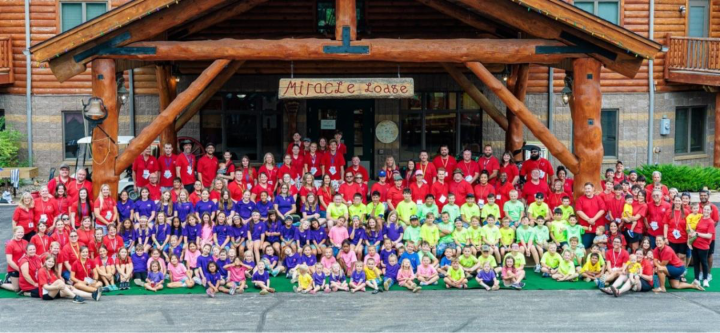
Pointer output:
716, 154
514, 134
585, 108
345, 16
104, 150
166, 93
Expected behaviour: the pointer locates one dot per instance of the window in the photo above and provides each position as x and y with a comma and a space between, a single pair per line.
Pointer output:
608, 10
690, 129
73, 13
73, 130
2, 116
698, 18
326, 16
245, 124
430, 120
609, 123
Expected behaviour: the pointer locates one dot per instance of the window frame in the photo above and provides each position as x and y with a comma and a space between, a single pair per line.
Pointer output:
84, 10
690, 109
596, 7
617, 132
63, 114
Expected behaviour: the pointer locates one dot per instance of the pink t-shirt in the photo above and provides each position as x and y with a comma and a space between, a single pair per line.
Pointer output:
206, 235
177, 273
237, 273
191, 258
338, 234
376, 257
349, 258
404, 275
327, 262
426, 271
160, 260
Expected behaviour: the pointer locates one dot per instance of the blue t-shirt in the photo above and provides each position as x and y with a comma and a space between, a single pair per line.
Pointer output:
258, 230
202, 207
202, 263
139, 262
128, 235
212, 278
358, 237
340, 277
184, 209
289, 234
374, 237
161, 232
145, 208
221, 231
487, 277
261, 277
272, 227
414, 259
385, 255
244, 209
304, 237
391, 271
310, 260
141, 235
270, 259
263, 208
192, 232
393, 231
358, 277
310, 210
319, 235
165, 208
445, 262
226, 208
176, 231
156, 277
176, 250
124, 209
285, 204
318, 278
221, 266
238, 233
292, 261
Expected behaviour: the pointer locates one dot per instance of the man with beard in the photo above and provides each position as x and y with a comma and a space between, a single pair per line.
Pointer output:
489, 163
537, 162
444, 160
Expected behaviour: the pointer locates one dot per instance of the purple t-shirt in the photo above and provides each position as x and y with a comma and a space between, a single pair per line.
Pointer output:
393, 231
145, 208
289, 234
385, 256
358, 277
391, 271
340, 277
292, 261
358, 237
139, 262
264, 276
319, 278
202, 207
487, 277
184, 209
284, 204
244, 209
156, 277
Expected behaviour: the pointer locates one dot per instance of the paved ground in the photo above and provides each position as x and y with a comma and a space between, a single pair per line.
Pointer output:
397, 311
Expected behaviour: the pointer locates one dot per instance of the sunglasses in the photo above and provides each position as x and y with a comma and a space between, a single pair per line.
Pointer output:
65, 218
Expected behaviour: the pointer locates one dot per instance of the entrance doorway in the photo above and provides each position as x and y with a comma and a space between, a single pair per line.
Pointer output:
356, 120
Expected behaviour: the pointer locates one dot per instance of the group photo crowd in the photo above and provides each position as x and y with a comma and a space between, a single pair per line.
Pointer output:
327, 225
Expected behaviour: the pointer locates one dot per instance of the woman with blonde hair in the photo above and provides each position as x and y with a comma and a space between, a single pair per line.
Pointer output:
105, 209
24, 215
270, 168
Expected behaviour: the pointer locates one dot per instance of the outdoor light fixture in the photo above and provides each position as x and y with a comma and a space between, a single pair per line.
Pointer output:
122, 92
567, 90
94, 112
505, 74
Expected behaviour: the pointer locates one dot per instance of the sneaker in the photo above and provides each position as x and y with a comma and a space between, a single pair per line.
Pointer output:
375, 291
386, 284
138, 282
601, 283
416, 289
709, 277
516, 286
114, 287
537, 268
545, 275
96, 295
312, 292
521, 284
106, 289
706, 283
263, 292
271, 290
232, 289
295, 288
78, 300
327, 290
423, 283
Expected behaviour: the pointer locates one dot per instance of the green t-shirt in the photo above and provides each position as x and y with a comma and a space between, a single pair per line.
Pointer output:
336, 211
566, 267
460, 236
490, 258
551, 260
491, 234
467, 211
566, 211
507, 236
456, 274
423, 254
423, 210
448, 227
412, 234
542, 234
557, 228
579, 252
406, 209
514, 210
536, 209
519, 259
574, 231
489, 209
452, 210
475, 235
525, 235
358, 211
377, 211
467, 262
430, 234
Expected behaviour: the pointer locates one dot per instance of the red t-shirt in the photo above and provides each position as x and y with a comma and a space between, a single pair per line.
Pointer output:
16, 249
651, 187
236, 190
667, 254
395, 195
469, 170
71, 253
530, 189
332, 164
419, 192
45, 277
360, 170
511, 170
677, 226
714, 214
259, 188
85, 236
482, 192
272, 174
541, 164
248, 177
208, 167
502, 196
287, 169
98, 262
616, 260
154, 191
187, 167
568, 185
113, 245
440, 191
304, 191
461, 189
107, 208
53, 183
448, 163
85, 209
325, 194
313, 164
62, 237
41, 242
25, 219
382, 188
429, 172
73, 189
298, 165
704, 226
93, 247
638, 209
168, 166
656, 216
33, 267
615, 207
555, 199
348, 191
590, 206
490, 164
48, 209
143, 168
83, 269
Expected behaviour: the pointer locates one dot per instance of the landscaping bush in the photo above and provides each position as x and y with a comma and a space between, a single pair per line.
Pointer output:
682, 177
9, 145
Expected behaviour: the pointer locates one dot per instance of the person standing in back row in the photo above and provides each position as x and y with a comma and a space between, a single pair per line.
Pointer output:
207, 166
186, 166
168, 168
144, 165
537, 162
488, 162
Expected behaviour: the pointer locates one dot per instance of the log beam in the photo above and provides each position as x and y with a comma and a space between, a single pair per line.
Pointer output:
460, 14
585, 108
207, 94
104, 149
514, 134
541, 132
220, 15
501, 51
476, 95
345, 16
167, 117
166, 86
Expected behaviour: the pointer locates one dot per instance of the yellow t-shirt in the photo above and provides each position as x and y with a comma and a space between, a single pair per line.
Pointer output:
372, 274
635, 268
507, 236
589, 267
627, 211
305, 281
692, 220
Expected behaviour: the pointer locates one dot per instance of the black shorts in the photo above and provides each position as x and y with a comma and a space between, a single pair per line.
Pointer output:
36, 294
140, 275
679, 248
634, 239
646, 286
15, 274
711, 251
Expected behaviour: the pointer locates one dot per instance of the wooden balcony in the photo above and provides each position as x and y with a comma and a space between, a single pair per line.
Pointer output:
6, 64
693, 60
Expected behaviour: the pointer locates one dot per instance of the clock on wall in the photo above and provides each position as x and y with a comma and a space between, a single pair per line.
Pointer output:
386, 131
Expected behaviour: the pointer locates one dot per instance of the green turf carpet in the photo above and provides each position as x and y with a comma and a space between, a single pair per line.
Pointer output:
532, 281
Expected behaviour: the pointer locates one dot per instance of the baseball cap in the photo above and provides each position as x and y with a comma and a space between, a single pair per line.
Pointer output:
539, 195
418, 173
288, 218
457, 171
307, 140
413, 217
64, 166
382, 173
186, 142
485, 248
397, 177
209, 144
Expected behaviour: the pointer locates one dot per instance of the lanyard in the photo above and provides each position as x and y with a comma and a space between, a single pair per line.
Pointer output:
467, 167
444, 161
332, 158
423, 169
75, 252
615, 258
189, 159
168, 161
84, 268
114, 243
675, 219
485, 162
312, 158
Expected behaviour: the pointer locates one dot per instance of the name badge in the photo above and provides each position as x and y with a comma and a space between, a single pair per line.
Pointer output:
89, 280
313, 170
108, 215
468, 178
676, 234
481, 202
146, 174
419, 202
167, 174
542, 174
31, 225
249, 186
442, 199
189, 170
654, 225
333, 170
43, 218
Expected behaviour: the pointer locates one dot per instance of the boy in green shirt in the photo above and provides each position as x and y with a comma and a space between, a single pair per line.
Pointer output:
336, 210
357, 208
469, 208
526, 238
460, 235
429, 232
475, 234
406, 208
455, 276
412, 232
375, 208
485, 257
550, 261
467, 261
514, 208
557, 229
428, 206
542, 235
507, 236
517, 255
451, 208
491, 236
566, 208
538, 208
490, 208
574, 229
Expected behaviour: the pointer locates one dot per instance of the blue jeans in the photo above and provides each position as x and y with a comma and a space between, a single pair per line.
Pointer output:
587, 240
392, 281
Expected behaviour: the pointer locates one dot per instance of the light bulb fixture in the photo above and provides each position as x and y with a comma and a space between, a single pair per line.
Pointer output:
122, 92
505, 74
566, 91
177, 79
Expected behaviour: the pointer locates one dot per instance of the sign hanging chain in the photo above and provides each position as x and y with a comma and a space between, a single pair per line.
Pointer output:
292, 69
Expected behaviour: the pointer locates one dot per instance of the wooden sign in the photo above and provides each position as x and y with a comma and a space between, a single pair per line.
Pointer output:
346, 88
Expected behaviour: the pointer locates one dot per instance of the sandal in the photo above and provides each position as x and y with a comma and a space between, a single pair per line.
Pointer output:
607, 291
615, 291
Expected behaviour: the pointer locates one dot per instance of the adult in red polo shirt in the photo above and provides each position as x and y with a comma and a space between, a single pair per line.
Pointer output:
356, 168
80, 182
112, 241
590, 208
427, 168
186, 165
488, 162
657, 185
29, 266
287, 168
675, 228
297, 161
615, 204
459, 187
704, 234
207, 166
440, 189
534, 186
313, 162
537, 162
341, 147
348, 188
45, 209
502, 192
237, 186
381, 186
656, 211
395, 193
15, 248
705, 201
333, 162
444, 160
144, 165
483, 189
297, 141
669, 266
63, 177
470, 169
168, 168
105, 208
508, 166
419, 188
24, 215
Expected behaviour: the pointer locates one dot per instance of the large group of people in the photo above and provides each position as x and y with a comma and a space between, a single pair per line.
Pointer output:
328, 226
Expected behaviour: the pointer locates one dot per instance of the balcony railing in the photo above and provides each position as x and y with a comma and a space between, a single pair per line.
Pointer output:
693, 60
6, 64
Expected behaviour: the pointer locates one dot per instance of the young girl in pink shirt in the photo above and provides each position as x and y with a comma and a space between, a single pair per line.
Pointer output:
426, 273
406, 277
180, 277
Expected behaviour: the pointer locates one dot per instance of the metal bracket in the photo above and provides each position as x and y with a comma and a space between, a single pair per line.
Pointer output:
346, 47
581, 46
110, 48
